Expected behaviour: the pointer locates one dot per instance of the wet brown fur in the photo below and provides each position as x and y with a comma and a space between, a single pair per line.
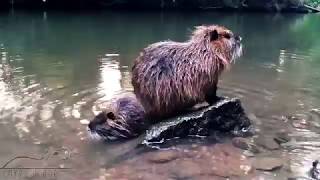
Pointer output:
169, 76
124, 117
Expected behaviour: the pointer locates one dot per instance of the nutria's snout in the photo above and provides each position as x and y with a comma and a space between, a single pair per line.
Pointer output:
97, 122
106, 126
99, 128
237, 48
238, 38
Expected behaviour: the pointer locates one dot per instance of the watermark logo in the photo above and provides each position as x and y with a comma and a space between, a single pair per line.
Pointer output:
7, 171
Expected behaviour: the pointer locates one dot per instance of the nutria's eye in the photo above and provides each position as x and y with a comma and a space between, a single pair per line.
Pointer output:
214, 35
111, 116
227, 36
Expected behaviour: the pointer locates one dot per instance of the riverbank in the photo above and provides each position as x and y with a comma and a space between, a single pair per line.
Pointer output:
180, 5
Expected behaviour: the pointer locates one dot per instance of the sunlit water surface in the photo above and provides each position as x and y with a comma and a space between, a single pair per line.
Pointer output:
57, 68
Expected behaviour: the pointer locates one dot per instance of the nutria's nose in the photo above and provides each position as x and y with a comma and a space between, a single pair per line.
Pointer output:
238, 38
91, 126
98, 120
94, 126
315, 163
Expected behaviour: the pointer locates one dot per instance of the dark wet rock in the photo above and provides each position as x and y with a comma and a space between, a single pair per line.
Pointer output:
227, 115
267, 142
267, 163
218, 161
245, 144
164, 156
282, 137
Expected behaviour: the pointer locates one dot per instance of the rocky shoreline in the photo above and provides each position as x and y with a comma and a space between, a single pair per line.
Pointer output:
243, 158
256, 157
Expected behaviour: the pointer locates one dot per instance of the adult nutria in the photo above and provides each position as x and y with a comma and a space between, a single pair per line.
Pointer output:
123, 118
169, 76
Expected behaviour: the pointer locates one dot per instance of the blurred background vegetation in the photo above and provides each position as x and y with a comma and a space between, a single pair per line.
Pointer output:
258, 5
314, 3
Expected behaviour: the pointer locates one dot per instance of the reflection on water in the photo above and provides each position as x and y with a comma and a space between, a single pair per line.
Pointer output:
110, 77
57, 69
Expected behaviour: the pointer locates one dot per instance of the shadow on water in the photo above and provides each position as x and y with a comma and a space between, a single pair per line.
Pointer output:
58, 69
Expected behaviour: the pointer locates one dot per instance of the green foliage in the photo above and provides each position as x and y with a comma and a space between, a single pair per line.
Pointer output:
314, 3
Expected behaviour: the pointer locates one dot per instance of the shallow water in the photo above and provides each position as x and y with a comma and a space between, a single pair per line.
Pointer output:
58, 68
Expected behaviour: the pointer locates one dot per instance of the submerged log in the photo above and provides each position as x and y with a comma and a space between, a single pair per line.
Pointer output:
227, 115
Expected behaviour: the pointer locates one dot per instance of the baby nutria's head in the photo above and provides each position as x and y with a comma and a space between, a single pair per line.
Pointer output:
221, 40
122, 119
102, 127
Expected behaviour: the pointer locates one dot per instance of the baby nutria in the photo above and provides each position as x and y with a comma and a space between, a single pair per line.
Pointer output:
169, 76
123, 118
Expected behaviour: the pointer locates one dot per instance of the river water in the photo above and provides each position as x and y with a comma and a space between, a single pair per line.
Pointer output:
57, 68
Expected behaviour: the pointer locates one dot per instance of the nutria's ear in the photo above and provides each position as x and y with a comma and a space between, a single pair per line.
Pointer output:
213, 35
111, 116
